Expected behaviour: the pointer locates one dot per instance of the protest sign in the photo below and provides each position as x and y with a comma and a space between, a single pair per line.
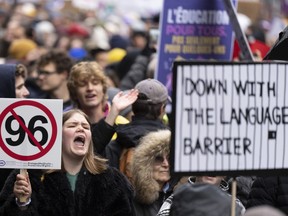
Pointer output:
229, 118
192, 30
31, 133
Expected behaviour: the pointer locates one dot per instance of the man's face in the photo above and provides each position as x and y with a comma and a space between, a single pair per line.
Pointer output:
20, 88
49, 79
90, 93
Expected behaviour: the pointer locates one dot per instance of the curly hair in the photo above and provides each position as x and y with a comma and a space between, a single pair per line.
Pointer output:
80, 73
21, 71
60, 58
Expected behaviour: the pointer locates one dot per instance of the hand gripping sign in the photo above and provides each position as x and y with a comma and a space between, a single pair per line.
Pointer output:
30, 133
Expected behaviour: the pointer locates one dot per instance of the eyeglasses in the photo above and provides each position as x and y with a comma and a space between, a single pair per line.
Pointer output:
160, 159
45, 73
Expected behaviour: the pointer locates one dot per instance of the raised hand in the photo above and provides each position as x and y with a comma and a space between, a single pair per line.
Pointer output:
122, 100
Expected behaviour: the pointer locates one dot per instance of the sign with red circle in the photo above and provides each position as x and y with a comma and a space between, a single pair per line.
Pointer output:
29, 130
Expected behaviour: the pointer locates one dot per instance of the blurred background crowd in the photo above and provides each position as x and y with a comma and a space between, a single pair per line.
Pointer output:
98, 30
112, 32
121, 36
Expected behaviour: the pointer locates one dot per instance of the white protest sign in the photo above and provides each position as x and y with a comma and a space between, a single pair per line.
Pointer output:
31, 133
229, 118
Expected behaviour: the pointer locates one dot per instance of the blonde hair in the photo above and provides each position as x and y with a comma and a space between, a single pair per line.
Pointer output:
81, 73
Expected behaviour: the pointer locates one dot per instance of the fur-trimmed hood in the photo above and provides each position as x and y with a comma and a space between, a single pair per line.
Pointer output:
150, 146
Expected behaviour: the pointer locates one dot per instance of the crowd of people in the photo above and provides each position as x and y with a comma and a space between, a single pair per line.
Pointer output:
115, 130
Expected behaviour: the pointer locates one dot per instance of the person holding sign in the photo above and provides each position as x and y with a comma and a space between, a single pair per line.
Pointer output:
85, 185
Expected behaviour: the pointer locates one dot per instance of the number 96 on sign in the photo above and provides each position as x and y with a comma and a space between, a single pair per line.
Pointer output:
26, 133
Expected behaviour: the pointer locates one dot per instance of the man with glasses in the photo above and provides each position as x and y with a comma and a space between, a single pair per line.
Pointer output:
53, 70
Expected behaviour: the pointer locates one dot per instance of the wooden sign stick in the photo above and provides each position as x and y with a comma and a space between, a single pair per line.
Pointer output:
23, 172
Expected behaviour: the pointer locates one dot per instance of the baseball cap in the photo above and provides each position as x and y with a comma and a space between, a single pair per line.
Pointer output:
154, 90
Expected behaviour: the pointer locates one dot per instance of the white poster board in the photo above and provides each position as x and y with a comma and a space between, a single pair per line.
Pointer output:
31, 133
229, 118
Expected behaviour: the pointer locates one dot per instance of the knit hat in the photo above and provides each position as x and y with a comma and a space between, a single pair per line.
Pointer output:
154, 90
116, 55
20, 48
77, 53
76, 29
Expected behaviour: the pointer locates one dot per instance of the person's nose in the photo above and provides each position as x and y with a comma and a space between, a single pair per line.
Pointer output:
165, 162
80, 128
26, 92
89, 86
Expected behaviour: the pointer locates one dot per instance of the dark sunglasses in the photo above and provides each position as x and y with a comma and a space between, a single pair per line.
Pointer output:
160, 159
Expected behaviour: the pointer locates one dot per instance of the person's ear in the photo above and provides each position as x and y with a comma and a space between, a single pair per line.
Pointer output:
163, 108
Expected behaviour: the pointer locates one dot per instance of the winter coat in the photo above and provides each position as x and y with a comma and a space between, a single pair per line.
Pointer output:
105, 194
7, 90
128, 135
102, 134
166, 207
272, 191
148, 195
244, 184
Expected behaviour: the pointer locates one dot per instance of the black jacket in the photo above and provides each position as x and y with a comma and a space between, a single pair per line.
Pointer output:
7, 90
128, 135
102, 133
105, 194
271, 191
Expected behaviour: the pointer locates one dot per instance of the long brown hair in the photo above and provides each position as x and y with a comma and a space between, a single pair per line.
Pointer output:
93, 163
